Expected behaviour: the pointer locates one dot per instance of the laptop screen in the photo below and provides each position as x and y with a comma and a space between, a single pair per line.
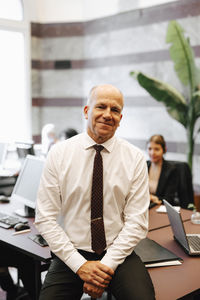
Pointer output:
27, 184
176, 225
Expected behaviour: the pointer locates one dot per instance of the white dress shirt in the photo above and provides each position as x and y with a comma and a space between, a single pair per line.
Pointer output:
64, 196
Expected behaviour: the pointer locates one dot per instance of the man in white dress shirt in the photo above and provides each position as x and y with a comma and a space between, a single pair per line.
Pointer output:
64, 209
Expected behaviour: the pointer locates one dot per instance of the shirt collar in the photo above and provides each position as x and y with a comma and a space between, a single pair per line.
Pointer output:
89, 142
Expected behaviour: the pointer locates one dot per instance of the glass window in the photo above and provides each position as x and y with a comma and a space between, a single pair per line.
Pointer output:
15, 104
12, 85
11, 9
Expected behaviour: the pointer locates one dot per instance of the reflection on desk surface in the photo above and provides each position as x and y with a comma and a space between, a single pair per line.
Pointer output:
37, 238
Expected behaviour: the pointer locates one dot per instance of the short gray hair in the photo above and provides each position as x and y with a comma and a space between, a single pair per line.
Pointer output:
93, 90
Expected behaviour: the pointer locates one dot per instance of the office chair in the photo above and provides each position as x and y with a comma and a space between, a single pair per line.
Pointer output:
185, 186
7, 185
24, 151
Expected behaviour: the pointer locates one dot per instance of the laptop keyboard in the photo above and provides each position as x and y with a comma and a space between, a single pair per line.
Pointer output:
8, 221
194, 242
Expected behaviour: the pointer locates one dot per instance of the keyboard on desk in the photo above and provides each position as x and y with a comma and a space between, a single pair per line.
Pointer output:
9, 221
194, 242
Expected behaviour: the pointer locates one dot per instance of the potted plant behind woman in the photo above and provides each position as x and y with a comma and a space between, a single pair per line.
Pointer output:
184, 109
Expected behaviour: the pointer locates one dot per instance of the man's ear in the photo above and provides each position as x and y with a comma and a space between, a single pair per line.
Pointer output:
120, 120
86, 108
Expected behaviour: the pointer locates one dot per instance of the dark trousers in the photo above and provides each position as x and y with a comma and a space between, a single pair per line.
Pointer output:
131, 281
25, 265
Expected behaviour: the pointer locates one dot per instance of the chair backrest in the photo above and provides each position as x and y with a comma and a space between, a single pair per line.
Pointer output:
185, 186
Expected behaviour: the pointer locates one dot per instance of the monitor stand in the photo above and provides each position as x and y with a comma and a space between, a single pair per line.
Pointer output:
26, 212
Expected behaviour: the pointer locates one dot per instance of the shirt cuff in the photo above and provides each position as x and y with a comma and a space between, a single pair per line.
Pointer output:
106, 260
75, 261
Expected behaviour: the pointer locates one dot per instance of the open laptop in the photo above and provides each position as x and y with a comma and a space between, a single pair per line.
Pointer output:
189, 242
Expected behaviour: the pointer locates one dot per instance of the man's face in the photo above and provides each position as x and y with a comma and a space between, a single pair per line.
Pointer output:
104, 113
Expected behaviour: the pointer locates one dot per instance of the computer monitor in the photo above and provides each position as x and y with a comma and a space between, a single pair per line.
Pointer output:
3, 151
24, 148
26, 187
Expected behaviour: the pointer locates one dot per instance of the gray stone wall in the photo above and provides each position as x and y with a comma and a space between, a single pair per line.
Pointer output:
69, 58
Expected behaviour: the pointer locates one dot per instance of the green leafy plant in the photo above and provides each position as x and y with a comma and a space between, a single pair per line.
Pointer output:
185, 108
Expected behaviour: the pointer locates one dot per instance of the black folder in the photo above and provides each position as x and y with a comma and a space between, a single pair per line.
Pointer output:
151, 252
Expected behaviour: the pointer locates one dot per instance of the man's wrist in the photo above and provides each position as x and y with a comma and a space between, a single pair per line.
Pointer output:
107, 261
75, 261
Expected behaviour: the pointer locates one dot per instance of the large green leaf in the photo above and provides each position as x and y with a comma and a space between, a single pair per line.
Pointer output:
179, 116
163, 92
182, 54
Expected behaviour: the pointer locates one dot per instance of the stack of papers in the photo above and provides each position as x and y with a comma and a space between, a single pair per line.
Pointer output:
164, 264
154, 255
162, 209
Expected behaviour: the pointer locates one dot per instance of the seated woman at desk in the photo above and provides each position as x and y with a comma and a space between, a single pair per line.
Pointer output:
163, 176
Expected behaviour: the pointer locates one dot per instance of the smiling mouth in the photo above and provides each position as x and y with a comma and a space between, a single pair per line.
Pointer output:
105, 124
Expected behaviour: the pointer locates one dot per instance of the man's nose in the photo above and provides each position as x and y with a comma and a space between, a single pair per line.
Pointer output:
107, 113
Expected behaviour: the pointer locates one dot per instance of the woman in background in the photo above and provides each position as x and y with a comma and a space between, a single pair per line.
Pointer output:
163, 176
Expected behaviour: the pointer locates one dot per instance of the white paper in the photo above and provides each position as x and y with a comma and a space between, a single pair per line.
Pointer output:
164, 264
162, 209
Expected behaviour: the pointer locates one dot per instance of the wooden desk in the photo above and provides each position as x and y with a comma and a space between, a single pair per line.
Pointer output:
174, 282
160, 220
25, 245
170, 282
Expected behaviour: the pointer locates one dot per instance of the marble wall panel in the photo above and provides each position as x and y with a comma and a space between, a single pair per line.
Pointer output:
36, 120
36, 48
191, 26
126, 41
119, 76
62, 48
197, 135
76, 83
117, 42
62, 83
142, 122
63, 118
36, 83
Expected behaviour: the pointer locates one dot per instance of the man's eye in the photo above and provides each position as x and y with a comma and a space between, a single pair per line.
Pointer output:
116, 110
